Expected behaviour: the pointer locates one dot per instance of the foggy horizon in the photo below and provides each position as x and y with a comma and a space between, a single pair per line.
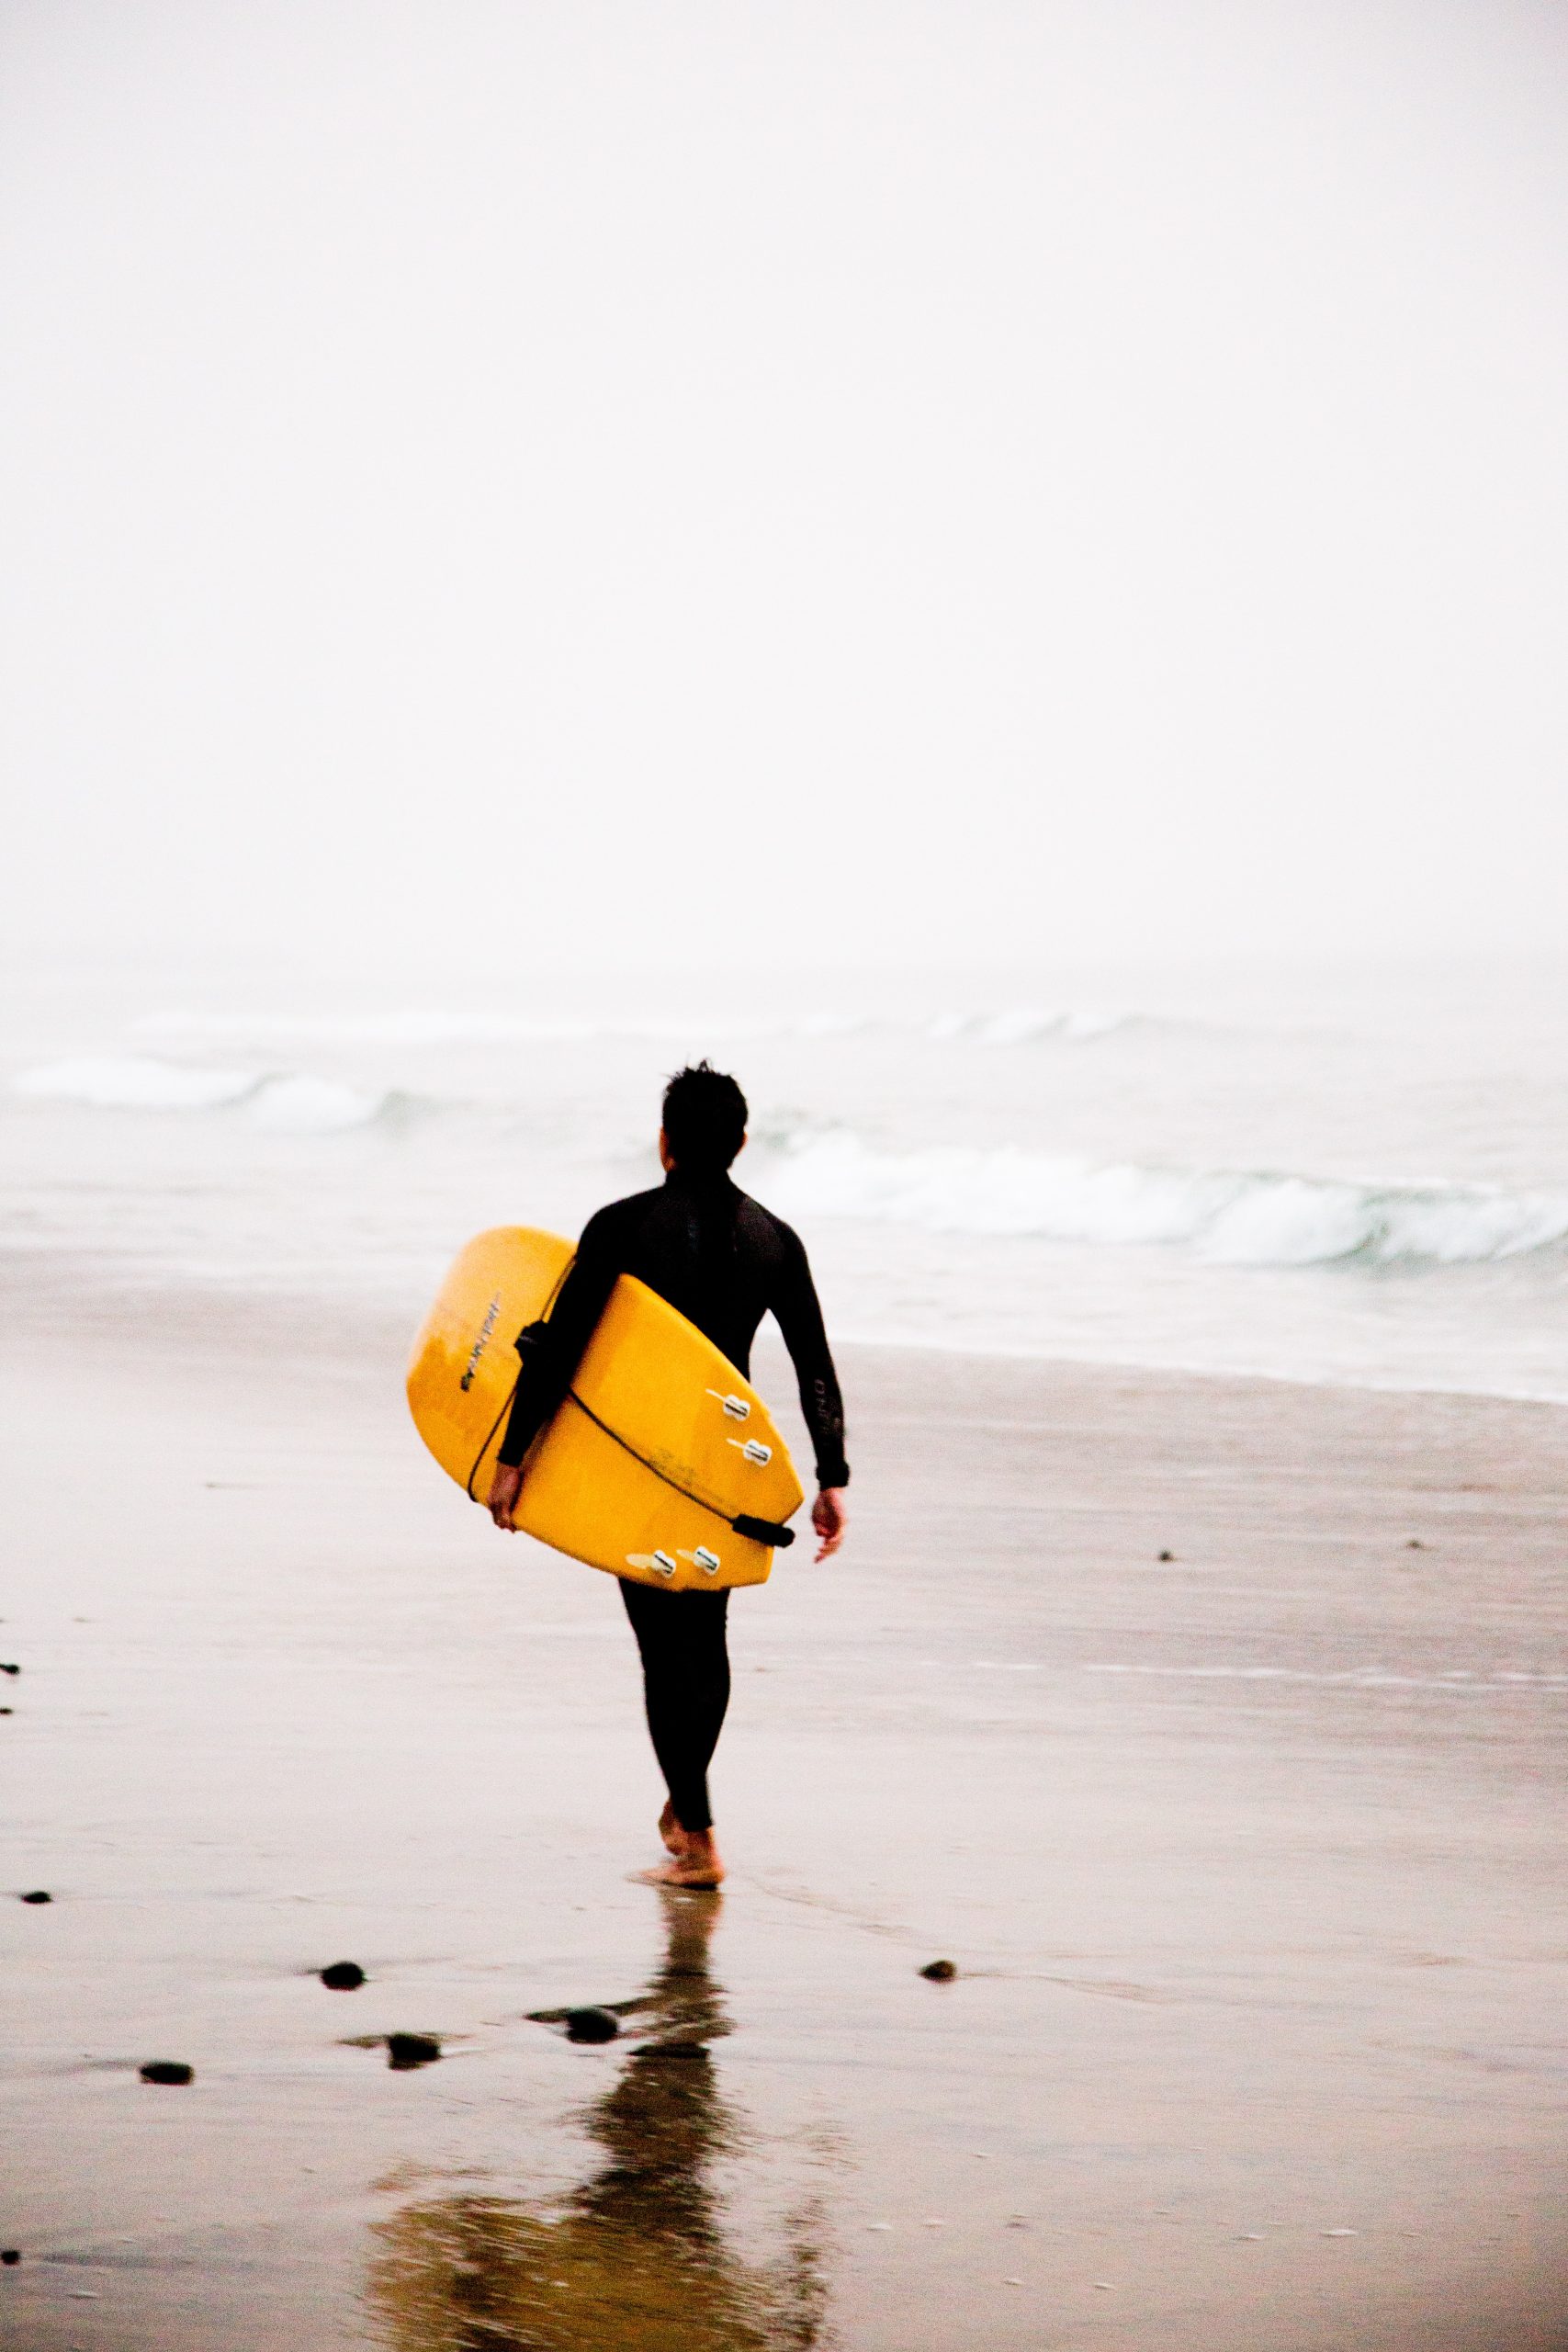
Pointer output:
850, 487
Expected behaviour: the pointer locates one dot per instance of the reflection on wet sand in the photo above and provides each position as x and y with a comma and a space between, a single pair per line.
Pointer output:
636, 2257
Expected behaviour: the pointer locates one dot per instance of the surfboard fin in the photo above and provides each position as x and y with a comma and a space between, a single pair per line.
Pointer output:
764, 1530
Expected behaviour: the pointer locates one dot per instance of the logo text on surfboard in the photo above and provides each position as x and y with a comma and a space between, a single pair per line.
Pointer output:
485, 1328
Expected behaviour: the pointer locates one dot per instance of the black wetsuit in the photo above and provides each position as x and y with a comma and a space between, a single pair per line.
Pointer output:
724, 1261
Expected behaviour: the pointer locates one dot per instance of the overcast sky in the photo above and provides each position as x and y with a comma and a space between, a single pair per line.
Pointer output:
872, 479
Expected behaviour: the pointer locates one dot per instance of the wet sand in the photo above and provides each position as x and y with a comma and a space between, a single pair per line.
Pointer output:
1250, 1861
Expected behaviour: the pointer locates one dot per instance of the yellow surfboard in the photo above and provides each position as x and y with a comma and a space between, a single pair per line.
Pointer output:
660, 1448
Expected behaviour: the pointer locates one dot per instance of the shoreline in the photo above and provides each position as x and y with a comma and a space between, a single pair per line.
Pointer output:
1256, 2037
369, 1323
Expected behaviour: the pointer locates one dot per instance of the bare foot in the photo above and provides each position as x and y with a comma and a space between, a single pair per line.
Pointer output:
695, 1864
670, 1829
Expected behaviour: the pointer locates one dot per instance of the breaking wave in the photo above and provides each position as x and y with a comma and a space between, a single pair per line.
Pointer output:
1247, 1216
281, 1103
1019, 1025
1026, 1026
437, 1028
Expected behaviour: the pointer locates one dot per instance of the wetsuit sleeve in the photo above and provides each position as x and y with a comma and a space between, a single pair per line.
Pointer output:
547, 1369
799, 1317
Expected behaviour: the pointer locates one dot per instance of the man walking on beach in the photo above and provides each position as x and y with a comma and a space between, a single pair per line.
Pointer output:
723, 1261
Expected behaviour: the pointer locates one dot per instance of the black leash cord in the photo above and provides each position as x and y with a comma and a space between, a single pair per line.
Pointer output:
762, 1531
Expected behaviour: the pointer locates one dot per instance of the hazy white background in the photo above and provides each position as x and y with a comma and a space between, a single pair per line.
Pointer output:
868, 480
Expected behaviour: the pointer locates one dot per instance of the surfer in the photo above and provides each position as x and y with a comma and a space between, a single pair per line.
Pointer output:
723, 1261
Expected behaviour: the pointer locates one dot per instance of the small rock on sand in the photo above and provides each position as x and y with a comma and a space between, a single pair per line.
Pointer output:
592, 2025
10, 2255
38, 1894
406, 2049
8, 1669
939, 1972
168, 2069
1165, 1555
344, 1976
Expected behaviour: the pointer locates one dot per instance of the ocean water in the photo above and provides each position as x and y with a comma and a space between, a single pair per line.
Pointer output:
1359, 1177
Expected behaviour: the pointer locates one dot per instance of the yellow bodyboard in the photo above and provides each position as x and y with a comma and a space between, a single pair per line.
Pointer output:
659, 1447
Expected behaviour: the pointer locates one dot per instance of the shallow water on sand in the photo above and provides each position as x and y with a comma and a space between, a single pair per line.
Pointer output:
1256, 2035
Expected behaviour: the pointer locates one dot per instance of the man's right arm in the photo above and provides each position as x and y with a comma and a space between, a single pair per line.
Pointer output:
547, 1368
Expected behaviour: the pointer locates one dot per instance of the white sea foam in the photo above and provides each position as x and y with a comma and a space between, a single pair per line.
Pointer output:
1026, 1026
1233, 1217
1019, 1025
415, 1027
282, 1103
135, 1082
299, 1105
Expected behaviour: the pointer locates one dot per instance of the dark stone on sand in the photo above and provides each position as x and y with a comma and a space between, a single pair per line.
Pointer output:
342, 1976
1165, 1555
7, 1710
10, 2254
941, 1972
592, 2025
168, 2069
406, 2049
38, 1894
9, 1669
1416, 1544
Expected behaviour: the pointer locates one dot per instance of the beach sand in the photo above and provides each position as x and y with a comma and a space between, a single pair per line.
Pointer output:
1250, 1859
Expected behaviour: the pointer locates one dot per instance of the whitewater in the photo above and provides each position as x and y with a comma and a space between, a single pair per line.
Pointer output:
1361, 1179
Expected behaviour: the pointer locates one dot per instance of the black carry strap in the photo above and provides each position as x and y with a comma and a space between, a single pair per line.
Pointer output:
532, 1334
764, 1530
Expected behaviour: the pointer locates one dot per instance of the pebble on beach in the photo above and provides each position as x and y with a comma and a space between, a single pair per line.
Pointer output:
10, 2254
9, 1669
344, 1976
38, 1894
406, 2049
168, 2069
1165, 1555
939, 1972
592, 2025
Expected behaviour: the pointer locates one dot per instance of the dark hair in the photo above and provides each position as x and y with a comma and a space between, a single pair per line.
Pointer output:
705, 1119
